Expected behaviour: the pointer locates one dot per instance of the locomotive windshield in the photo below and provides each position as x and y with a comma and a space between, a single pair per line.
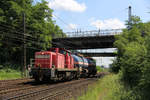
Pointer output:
42, 56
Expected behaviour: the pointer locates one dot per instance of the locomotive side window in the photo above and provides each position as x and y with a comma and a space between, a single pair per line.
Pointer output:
42, 56
62, 52
68, 54
53, 50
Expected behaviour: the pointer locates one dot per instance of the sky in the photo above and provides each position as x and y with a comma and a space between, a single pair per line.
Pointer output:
71, 15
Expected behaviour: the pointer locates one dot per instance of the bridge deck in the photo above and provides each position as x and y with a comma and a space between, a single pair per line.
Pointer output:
84, 42
88, 40
106, 54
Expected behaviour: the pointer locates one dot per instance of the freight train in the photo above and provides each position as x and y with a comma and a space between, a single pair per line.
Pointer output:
61, 64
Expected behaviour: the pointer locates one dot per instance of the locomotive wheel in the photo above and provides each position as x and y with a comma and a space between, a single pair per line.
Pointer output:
36, 79
39, 78
77, 76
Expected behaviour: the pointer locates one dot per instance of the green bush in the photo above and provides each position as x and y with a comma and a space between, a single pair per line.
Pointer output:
133, 60
108, 88
8, 73
100, 69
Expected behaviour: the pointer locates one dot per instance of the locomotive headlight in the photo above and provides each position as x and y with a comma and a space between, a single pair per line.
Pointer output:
80, 68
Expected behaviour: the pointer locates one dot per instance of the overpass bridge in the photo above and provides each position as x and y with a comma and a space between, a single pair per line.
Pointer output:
100, 54
88, 40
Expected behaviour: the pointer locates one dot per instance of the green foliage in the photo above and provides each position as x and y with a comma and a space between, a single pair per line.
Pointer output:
135, 21
115, 66
8, 73
133, 59
101, 69
39, 26
107, 88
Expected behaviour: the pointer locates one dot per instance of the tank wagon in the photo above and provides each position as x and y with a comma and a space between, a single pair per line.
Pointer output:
61, 64
87, 66
92, 66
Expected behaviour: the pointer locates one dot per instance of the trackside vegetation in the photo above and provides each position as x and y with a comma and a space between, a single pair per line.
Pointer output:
9, 73
107, 88
101, 69
131, 80
133, 60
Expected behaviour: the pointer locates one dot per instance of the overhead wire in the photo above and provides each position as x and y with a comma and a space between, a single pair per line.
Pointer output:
63, 22
15, 40
16, 32
20, 39
19, 32
6, 25
16, 37
19, 46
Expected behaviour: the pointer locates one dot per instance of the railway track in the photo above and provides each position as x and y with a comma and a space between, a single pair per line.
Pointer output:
12, 80
67, 92
6, 83
44, 92
29, 90
12, 85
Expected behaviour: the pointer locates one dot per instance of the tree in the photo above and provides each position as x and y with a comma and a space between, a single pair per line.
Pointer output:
133, 58
39, 29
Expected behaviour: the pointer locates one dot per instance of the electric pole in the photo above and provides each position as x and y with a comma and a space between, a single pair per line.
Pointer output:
130, 16
24, 45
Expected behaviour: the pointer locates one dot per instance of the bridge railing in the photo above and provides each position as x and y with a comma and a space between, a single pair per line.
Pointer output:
108, 50
94, 33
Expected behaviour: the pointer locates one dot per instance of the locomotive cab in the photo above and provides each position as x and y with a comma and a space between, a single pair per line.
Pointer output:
43, 60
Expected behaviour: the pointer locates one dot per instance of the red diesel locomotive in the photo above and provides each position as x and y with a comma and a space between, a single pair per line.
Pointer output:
61, 64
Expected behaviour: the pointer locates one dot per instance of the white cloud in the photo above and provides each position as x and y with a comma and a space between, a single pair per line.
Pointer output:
108, 24
72, 26
68, 5
91, 19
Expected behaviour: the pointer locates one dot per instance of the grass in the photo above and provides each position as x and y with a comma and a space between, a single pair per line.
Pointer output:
100, 69
107, 88
9, 74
